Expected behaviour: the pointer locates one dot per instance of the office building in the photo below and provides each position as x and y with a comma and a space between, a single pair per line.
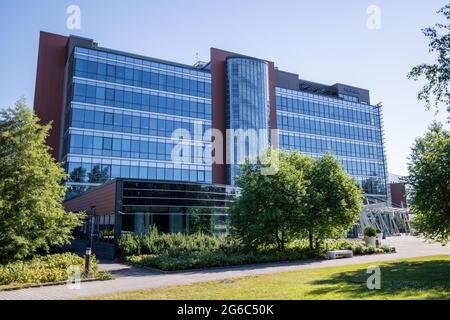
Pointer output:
114, 115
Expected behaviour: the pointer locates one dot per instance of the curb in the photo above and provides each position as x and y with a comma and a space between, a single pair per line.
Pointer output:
49, 284
237, 266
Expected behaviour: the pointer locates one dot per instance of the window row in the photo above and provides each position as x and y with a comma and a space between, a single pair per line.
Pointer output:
102, 55
326, 111
99, 173
347, 97
346, 149
141, 78
328, 129
358, 168
138, 149
373, 185
145, 124
98, 94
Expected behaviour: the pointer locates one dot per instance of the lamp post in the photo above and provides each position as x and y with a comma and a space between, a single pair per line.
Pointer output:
87, 261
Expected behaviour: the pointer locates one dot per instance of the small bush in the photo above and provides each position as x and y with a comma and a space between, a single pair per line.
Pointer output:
156, 243
370, 232
128, 245
42, 269
359, 248
180, 251
195, 260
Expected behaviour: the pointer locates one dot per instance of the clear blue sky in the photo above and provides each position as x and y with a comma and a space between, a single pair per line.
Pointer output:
322, 41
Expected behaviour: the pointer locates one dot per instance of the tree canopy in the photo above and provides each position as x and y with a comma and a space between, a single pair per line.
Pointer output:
335, 200
429, 177
304, 196
437, 75
268, 209
32, 216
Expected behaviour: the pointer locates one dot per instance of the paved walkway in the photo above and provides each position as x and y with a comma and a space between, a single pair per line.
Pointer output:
132, 278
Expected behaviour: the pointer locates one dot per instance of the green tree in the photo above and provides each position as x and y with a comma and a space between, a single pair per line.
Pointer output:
429, 176
201, 221
304, 197
268, 210
335, 200
437, 74
32, 217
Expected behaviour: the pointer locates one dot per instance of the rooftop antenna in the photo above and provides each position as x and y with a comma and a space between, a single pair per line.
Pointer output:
199, 64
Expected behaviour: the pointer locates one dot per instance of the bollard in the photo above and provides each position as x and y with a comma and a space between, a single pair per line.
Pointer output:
87, 262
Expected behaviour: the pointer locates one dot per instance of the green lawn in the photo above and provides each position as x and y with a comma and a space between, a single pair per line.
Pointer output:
420, 278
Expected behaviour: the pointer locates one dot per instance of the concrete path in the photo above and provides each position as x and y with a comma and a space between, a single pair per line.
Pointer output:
131, 278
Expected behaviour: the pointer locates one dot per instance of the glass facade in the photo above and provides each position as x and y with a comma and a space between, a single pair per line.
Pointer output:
121, 112
120, 116
174, 207
248, 110
315, 124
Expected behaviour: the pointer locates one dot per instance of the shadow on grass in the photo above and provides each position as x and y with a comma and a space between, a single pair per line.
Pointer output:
401, 280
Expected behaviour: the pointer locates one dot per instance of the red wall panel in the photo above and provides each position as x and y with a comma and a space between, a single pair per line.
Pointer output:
219, 103
103, 198
398, 194
49, 90
219, 107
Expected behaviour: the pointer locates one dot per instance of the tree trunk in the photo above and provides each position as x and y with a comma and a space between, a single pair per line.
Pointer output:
277, 238
317, 244
311, 241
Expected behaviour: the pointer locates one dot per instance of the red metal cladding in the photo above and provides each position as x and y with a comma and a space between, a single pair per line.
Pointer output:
398, 194
49, 90
219, 103
103, 198
219, 107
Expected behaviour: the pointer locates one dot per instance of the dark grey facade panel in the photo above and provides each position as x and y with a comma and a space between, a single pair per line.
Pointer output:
362, 94
286, 80
291, 81
75, 41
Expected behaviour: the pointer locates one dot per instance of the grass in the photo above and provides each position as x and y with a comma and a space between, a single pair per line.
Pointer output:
418, 278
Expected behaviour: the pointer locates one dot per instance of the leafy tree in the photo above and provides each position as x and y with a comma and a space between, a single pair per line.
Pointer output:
429, 176
268, 210
98, 175
335, 200
437, 74
32, 217
304, 197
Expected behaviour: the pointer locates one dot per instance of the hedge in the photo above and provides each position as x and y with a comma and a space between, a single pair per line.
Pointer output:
43, 269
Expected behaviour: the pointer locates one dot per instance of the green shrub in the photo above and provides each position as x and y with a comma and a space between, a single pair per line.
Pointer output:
41, 269
370, 232
128, 245
156, 243
194, 260
180, 251
357, 246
